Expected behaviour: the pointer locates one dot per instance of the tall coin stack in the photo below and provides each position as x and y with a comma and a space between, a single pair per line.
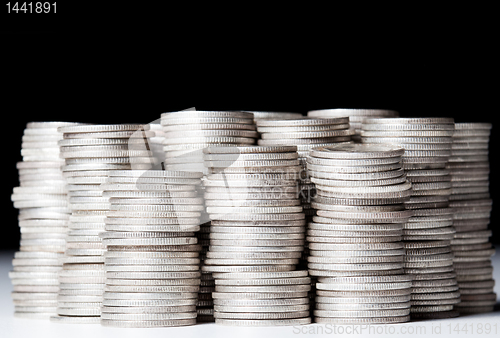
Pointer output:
152, 260
305, 133
256, 237
43, 220
469, 168
186, 134
355, 240
90, 153
428, 233
356, 117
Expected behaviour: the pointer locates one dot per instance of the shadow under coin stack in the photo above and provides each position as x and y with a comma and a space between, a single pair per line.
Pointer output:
428, 233
355, 240
152, 260
90, 153
256, 237
356, 117
186, 134
43, 218
469, 168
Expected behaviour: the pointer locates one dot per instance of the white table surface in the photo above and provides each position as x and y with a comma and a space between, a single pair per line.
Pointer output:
469, 326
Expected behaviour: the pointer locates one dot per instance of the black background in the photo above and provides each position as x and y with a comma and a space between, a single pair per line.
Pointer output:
116, 74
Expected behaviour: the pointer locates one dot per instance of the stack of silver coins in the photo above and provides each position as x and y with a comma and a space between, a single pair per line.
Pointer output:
355, 240
90, 153
43, 220
469, 169
428, 233
305, 133
152, 260
356, 117
188, 132
256, 237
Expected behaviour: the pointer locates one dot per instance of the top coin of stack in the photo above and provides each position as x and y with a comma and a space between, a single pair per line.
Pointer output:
469, 168
427, 234
43, 220
355, 239
90, 152
356, 116
187, 132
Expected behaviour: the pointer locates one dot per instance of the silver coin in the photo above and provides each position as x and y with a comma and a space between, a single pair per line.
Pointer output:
362, 313
258, 296
260, 315
246, 268
264, 281
361, 306
305, 141
262, 288
148, 323
264, 322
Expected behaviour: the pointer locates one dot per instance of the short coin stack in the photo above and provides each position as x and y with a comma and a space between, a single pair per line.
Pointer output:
43, 220
90, 153
257, 236
469, 168
355, 240
188, 132
152, 264
427, 234
356, 117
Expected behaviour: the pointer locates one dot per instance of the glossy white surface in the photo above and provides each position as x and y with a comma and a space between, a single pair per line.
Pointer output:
11, 327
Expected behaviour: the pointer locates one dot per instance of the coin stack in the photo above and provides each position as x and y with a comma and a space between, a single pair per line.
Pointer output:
427, 234
90, 153
256, 237
43, 220
305, 133
188, 132
469, 168
152, 258
355, 240
356, 117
